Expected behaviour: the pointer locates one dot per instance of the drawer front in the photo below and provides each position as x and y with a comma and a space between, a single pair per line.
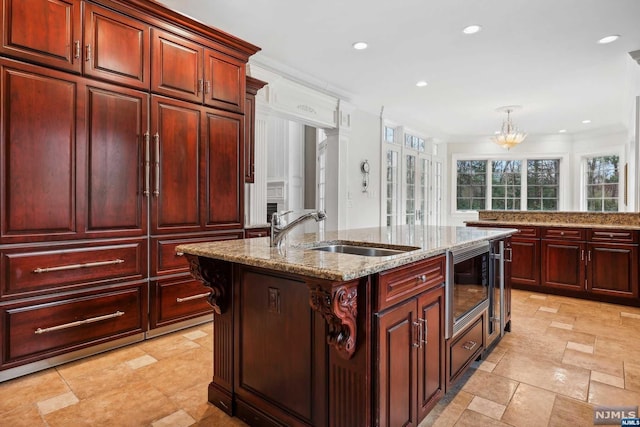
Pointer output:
564, 233
465, 348
527, 232
398, 284
178, 299
613, 235
165, 260
36, 270
250, 233
44, 329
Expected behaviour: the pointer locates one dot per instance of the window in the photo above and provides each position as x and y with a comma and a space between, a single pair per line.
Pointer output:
410, 186
471, 184
389, 134
414, 142
506, 184
602, 181
392, 187
543, 179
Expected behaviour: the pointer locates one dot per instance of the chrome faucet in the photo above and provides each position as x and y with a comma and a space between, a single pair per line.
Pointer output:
279, 228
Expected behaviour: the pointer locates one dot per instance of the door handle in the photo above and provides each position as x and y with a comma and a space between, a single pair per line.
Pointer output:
156, 190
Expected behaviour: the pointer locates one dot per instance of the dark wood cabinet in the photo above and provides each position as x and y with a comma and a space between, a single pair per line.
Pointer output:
224, 81
116, 47
563, 264
253, 85
48, 32
177, 299
431, 351
612, 269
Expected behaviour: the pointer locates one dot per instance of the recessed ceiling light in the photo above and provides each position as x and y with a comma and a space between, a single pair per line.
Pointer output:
586, 122
609, 39
421, 83
472, 29
562, 131
360, 45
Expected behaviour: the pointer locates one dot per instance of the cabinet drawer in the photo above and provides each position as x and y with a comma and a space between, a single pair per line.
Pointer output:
401, 283
250, 233
51, 327
165, 260
564, 233
31, 271
465, 348
613, 235
527, 232
178, 299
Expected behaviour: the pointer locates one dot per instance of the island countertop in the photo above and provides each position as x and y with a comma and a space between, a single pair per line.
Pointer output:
296, 255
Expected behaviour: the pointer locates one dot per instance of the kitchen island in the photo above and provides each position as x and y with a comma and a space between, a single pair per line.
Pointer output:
304, 336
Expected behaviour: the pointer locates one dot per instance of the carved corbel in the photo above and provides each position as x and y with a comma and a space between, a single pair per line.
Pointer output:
215, 275
339, 307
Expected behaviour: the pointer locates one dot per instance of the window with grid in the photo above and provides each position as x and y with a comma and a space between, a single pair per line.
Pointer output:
389, 134
543, 179
392, 187
602, 181
471, 185
506, 184
410, 197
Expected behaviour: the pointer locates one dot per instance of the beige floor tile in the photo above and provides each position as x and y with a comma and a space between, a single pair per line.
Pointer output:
594, 362
630, 315
626, 348
560, 325
24, 416
31, 389
99, 362
564, 379
538, 297
632, 376
605, 394
486, 366
492, 387
220, 420
529, 407
141, 361
474, 419
57, 402
448, 413
534, 344
570, 412
177, 419
548, 309
584, 348
487, 407
601, 377
194, 401
195, 335
95, 382
168, 346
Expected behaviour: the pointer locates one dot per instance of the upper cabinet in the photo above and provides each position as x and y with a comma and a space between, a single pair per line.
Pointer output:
116, 47
185, 69
45, 31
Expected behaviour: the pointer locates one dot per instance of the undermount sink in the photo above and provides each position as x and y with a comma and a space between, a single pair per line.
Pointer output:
364, 250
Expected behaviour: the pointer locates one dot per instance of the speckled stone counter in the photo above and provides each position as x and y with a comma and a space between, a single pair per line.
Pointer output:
296, 256
625, 220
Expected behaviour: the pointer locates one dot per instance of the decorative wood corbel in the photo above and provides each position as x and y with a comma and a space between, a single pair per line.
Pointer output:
215, 275
339, 307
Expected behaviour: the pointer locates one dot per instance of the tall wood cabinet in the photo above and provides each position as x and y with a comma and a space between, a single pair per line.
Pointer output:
122, 136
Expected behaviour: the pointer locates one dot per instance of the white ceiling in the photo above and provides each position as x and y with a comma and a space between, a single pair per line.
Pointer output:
541, 54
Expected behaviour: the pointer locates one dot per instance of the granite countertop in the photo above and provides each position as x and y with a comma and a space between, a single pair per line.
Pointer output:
613, 220
250, 226
551, 224
295, 256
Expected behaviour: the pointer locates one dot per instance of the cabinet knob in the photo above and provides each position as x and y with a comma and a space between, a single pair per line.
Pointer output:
562, 233
422, 278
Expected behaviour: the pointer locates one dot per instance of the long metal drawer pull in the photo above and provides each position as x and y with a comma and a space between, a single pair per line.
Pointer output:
425, 332
77, 266
417, 343
469, 345
192, 297
80, 322
147, 163
156, 138
77, 54
88, 58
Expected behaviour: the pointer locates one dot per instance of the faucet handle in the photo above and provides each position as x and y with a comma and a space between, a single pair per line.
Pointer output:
276, 217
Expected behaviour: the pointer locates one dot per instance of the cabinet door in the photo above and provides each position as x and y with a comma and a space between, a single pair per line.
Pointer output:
563, 264
431, 353
612, 269
175, 183
398, 367
223, 192
176, 66
116, 47
117, 123
44, 31
42, 153
224, 81
525, 268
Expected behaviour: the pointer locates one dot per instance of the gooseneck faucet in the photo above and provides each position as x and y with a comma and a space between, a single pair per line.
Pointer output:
279, 228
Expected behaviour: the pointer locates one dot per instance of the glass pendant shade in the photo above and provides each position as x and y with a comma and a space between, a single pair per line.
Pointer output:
509, 136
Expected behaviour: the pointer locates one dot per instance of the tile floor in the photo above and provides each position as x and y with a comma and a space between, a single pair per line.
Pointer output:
562, 357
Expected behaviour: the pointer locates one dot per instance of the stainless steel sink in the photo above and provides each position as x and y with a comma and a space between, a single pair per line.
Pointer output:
363, 250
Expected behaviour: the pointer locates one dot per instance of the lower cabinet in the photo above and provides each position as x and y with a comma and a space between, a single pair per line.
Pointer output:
526, 261
464, 348
563, 264
411, 359
612, 269
50, 326
177, 299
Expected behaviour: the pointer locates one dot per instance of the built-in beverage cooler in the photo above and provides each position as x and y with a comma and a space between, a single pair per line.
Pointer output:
498, 321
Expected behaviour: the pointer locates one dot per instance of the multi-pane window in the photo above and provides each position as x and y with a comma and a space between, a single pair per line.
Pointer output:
414, 142
506, 184
602, 181
410, 185
392, 187
471, 184
389, 134
543, 182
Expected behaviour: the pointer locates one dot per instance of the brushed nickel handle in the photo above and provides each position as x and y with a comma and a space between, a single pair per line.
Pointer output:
88, 58
424, 339
469, 345
207, 87
582, 255
200, 86
79, 322
192, 297
156, 139
77, 45
416, 344
77, 266
179, 253
589, 256
510, 258
147, 163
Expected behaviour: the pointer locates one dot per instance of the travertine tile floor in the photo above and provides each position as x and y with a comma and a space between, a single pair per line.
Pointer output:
562, 357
